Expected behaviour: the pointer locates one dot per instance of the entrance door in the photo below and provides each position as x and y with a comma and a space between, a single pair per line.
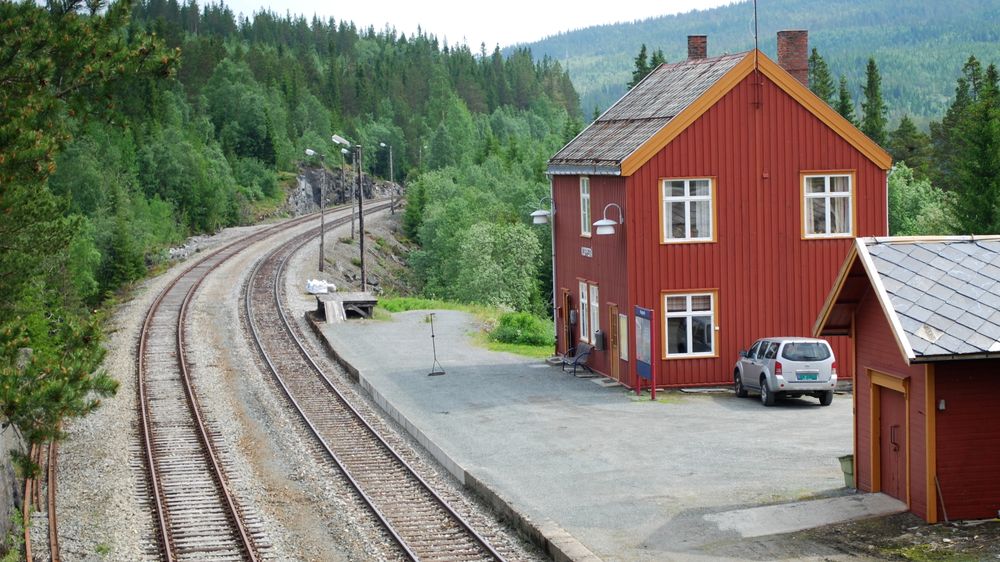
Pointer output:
613, 343
567, 335
892, 442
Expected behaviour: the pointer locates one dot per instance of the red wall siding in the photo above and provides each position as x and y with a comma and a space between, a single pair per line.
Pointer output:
607, 266
770, 282
877, 350
968, 437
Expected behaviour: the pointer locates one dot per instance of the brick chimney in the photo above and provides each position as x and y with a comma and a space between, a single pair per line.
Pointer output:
793, 54
697, 47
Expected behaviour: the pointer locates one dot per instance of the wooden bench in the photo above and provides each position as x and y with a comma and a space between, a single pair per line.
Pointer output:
579, 358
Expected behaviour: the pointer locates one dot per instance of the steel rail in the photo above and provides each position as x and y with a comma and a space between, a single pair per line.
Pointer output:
161, 513
298, 243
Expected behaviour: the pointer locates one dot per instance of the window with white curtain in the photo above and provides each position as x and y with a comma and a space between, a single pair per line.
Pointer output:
585, 221
687, 210
689, 324
827, 205
584, 312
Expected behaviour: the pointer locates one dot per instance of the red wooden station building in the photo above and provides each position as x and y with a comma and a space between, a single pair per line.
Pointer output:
733, 194
924, 314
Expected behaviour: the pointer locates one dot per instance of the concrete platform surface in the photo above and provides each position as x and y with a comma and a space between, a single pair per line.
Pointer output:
602, 473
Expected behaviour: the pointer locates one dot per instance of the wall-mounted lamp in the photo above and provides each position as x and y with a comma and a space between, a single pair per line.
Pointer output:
541, 216
606, 226
941, 404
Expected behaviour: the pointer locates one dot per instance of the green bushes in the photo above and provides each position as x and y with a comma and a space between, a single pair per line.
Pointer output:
524, 329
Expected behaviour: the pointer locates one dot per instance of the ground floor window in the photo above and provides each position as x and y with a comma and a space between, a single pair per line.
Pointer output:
590, 312
689, 321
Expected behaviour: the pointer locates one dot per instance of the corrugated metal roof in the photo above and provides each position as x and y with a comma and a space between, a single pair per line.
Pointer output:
946, 292
641, 112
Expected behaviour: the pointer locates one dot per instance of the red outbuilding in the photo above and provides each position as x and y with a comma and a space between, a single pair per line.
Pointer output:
733, 193
924, 316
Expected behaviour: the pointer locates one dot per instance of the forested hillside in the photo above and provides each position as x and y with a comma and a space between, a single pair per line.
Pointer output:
125, 127
919, 45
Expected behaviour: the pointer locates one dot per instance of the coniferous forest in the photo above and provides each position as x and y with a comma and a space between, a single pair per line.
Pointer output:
127, 126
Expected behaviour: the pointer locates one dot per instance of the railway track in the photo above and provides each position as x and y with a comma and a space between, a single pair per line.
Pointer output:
196, 515
423, 524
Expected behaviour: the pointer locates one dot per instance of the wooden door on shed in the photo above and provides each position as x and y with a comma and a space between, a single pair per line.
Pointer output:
892, 442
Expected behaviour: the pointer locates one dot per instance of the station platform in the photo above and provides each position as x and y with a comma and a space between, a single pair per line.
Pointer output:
593, 472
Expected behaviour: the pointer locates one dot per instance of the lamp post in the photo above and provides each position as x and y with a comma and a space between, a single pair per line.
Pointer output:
337, 139
361, 214
547, 216
322, 206
359, 164
392, 204
345, 152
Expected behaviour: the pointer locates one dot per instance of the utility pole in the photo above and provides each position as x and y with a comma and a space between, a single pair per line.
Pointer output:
361, 217
392, 206
322, 205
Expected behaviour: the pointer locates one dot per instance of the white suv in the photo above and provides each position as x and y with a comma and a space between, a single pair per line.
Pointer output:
787, 367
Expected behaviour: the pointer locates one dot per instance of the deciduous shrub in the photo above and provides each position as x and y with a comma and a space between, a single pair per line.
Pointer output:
523, 328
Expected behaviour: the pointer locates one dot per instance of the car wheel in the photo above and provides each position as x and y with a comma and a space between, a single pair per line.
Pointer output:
826, 398
766, 396
741, 391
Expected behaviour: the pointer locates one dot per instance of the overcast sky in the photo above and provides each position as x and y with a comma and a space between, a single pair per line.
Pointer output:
504, 22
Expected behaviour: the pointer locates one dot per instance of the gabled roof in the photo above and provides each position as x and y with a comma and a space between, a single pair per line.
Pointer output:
672, 97
940, 295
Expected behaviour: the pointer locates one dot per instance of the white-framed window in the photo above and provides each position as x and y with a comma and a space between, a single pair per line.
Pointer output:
595, 313
585, 221
687, 210
827, 205
689, 321
590, 312
623, 337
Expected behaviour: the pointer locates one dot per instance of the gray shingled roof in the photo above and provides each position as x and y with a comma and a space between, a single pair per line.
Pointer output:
945, 292
639, 114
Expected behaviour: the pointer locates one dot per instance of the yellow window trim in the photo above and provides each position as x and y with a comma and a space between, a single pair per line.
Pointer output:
715, 324
802, 204
819, 108
715, 212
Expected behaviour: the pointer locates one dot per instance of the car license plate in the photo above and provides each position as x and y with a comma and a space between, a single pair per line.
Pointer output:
807, 376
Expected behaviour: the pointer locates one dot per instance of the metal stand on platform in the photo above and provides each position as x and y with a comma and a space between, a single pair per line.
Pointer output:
436, 368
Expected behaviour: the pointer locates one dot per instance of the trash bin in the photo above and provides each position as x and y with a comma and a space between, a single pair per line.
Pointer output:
847, 465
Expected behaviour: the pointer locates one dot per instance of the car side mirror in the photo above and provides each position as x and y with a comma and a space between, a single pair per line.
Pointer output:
743, 353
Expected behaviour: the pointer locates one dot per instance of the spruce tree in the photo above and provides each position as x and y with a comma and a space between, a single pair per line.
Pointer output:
845, 105
909, 144
873, 108
820, 81
641, 68
976, 205
657, 59
945, 143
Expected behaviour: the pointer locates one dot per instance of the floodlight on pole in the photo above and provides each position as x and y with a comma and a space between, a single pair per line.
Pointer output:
341, 140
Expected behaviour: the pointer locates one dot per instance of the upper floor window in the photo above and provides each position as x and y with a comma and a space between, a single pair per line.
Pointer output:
585, 206
827, 206
687, 210
690, 324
